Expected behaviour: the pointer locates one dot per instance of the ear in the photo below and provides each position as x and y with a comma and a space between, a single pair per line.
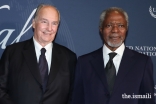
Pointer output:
100, 28
127, 28
33, 23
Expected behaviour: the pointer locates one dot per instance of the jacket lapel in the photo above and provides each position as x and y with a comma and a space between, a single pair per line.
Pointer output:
125, 66
30, 57
98, 65
55, 63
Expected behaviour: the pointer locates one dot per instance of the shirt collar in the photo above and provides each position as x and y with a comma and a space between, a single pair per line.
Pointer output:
38, 46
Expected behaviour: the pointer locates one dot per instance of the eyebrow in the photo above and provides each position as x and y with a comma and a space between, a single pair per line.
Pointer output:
43, 19
47, 19
115, 23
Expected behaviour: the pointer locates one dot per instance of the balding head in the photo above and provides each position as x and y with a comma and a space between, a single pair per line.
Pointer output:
42, 6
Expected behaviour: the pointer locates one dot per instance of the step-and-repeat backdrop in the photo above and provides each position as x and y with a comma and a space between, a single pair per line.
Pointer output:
79, 29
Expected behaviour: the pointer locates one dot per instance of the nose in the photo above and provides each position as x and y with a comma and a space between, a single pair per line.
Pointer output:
115, 29
49, 27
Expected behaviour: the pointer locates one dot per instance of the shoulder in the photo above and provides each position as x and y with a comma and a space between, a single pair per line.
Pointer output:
92, 54
19, 45
63, 49
135, 53
138, 57
16, 48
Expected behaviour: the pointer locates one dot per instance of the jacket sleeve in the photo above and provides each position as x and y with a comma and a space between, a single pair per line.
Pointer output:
78, 93
72, 76
4, 70
147, 84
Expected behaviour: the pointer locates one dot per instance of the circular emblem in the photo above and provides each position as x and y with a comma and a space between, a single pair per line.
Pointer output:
151, 12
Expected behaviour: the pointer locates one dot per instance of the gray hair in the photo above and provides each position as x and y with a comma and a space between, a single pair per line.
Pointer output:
105, 12
43, 5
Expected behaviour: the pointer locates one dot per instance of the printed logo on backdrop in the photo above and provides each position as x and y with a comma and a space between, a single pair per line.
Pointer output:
152, 11
8, 32
24, 30
5, 6
147, 50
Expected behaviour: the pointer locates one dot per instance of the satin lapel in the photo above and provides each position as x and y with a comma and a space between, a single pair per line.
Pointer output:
55, 64
125, 66
98, 65
30, 57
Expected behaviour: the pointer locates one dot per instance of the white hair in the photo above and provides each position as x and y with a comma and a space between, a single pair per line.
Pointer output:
105, 12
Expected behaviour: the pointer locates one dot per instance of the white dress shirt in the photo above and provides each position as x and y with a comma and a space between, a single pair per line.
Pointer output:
48, 53
116, 59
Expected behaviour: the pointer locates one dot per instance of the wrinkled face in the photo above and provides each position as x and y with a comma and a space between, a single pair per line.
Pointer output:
45, 25
114, 30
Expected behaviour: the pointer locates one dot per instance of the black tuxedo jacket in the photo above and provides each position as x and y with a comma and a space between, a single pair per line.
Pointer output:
134, 78
20, 81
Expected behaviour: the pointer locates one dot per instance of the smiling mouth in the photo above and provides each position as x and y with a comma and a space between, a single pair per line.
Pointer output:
47, 33
114, 38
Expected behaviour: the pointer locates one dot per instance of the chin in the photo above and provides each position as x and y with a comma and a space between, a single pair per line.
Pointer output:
115, 45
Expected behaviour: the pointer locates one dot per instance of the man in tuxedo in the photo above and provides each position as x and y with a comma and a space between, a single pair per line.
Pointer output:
113, 74
37, 71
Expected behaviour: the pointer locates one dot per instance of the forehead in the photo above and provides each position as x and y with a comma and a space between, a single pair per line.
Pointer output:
115, 16
48, 12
